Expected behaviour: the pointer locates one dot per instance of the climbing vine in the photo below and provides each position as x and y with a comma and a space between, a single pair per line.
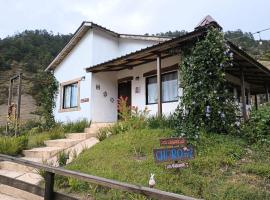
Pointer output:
46, 88
207, 104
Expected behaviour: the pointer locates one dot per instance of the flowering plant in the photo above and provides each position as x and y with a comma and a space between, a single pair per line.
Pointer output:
207, 104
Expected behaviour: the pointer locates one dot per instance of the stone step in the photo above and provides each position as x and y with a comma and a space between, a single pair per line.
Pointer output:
42, 152
91, 130
63, 143
6, 165
11, 193
10, 173
78, 148
100, 125
79, 136
7, 197
37, 160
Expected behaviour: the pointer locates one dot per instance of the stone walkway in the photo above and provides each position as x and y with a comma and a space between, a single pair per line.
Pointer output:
73, 144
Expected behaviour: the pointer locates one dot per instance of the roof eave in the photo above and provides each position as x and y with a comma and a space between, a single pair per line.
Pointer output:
83, 28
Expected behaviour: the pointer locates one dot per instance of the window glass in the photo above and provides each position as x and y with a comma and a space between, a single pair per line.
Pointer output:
70, 95
152, 90
169, 88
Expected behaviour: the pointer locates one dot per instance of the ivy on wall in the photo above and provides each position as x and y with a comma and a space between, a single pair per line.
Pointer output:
207, 104
46, 88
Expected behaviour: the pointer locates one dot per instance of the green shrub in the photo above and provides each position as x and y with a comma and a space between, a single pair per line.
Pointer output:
162, 122
75, 127
257, 128
36, 139
62, 158
12, 145
260, 169
103, 133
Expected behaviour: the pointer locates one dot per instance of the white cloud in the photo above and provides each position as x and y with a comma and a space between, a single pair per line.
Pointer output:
131, 16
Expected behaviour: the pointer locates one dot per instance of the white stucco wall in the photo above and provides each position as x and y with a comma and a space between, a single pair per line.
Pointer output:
72, 67
104, 100
131, 45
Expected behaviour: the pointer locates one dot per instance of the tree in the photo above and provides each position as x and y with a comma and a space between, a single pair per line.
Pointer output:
206, 104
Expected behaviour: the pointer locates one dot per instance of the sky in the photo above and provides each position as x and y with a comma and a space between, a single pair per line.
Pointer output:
132, 16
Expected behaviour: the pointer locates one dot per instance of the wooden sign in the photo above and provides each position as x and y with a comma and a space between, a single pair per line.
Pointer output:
176, 165
173, 154
84, 100
172, 141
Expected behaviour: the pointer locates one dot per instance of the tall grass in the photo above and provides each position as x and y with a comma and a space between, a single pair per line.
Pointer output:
75, 127
12, 145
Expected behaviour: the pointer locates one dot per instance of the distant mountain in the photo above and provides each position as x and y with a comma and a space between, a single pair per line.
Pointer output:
28, 52
260, 50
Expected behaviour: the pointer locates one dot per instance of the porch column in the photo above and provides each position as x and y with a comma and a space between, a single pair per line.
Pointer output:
267, 93
159, 85
243, 88
256, 102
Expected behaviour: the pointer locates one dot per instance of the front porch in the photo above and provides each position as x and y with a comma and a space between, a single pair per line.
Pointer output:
248, 79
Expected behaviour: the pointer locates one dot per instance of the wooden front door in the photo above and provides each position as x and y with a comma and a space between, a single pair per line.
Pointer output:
124, 90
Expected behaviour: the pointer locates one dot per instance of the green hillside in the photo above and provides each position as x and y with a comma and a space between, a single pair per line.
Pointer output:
225, 167
28, 52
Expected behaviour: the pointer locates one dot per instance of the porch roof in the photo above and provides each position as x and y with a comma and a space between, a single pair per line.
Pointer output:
255, 73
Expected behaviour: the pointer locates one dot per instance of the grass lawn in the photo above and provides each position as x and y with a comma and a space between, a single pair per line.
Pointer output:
225, 167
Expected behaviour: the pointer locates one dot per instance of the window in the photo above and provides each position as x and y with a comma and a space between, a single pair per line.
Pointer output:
169, 88
70, 96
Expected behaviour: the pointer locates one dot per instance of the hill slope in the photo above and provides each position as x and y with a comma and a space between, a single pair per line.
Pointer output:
224, 167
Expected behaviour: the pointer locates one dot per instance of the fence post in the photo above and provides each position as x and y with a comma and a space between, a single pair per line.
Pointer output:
49, 184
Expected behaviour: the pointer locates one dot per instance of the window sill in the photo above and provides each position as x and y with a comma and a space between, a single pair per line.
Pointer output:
69, 109
163, 102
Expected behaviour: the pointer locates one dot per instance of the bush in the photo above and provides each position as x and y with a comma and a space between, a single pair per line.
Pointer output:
257, 128
12, 145
155, 122
36, 139
76, 127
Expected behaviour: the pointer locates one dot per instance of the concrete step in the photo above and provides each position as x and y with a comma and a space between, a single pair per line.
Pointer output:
10, 173
38, 160
91, 130
42, 152
7, 197
33, 178
100, 125
78, 148
6, 165
79, 136
10, 193
63, 143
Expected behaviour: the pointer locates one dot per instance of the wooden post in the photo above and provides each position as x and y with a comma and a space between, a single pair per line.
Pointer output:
159, 85
18, 113
10, 91
49, 184
243, 88
267, 93
256, 102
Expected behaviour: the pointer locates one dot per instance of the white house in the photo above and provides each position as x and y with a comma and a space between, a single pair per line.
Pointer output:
98, 66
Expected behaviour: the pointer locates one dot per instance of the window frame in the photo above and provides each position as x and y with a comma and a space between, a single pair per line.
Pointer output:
146, 84
62, 86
